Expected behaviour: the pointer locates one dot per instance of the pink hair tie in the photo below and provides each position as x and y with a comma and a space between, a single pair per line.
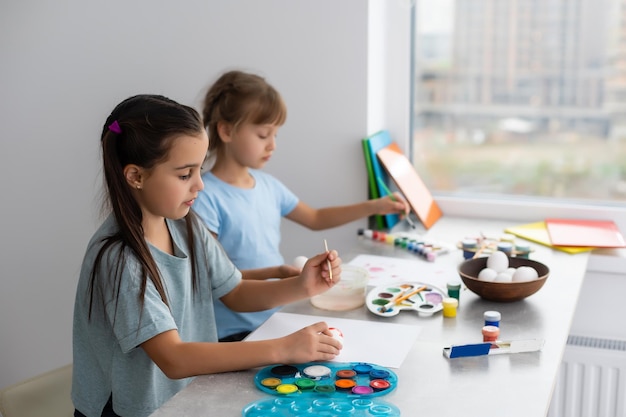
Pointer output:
115, 127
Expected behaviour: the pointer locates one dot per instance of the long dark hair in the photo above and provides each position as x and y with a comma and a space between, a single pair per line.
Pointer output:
140, 130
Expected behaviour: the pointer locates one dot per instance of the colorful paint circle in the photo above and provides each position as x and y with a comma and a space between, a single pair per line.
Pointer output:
345, 384
345, 373
433, 297
362, 368
284, 370
317, 371
271, 382
379, 384
324, 389
379, 374
286, 389
362, 390
305, 383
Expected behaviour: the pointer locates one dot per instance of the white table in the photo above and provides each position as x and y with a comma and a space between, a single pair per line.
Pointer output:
428, 383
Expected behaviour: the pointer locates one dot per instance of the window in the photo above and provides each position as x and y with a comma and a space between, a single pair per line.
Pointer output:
521, 98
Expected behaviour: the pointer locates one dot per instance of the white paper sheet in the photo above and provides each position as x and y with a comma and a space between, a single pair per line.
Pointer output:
384, 270
383, 344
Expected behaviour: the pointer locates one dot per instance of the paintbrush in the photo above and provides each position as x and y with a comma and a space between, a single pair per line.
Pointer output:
330, 269
484, 246
407, 217
401, 298
392, 301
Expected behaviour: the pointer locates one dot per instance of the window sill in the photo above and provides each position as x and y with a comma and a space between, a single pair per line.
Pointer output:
520, 211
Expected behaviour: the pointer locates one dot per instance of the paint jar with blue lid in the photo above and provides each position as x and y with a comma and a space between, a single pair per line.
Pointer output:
492, 318
469, 248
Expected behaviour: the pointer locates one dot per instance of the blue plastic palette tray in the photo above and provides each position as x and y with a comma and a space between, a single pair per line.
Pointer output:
325, 407
327, 379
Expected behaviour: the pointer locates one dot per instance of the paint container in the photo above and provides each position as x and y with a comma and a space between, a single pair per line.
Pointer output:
345, 384
316, 372
286, 388
324, 389
345, 374
347, 294
362, 390
469, 248
454, 289
492, 318
379, 374
523, 250
362, 368
284, 370
379, 384
271, 382
449, 306
305, 384
491, 334
506, 247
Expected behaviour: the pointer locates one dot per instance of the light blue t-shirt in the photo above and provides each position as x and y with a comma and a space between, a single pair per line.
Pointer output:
247, 224
107, 357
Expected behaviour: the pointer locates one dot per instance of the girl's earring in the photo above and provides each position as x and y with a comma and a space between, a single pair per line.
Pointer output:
139, 187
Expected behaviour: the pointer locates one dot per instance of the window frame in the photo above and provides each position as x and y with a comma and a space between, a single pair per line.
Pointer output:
514, 208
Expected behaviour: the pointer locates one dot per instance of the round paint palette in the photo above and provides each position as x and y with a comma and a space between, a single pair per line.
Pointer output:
389, 300
332, 406
327, 379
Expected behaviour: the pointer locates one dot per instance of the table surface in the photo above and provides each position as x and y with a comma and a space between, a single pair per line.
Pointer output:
428, 383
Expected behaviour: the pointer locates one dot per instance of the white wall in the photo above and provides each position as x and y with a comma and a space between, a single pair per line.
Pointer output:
65, 64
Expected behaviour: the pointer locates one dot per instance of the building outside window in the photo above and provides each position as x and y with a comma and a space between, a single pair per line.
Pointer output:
521, 98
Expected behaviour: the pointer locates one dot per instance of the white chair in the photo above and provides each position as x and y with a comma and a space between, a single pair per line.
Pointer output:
45, 395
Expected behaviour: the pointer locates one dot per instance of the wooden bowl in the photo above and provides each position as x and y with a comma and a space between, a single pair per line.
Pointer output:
502, 291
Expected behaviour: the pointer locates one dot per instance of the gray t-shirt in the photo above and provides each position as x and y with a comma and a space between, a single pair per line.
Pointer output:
107, 357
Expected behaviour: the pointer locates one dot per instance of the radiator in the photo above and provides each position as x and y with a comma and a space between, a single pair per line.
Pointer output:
592, 379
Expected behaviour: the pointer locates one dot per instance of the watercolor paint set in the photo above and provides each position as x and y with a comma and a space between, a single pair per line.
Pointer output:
327, 379
390, 300
298, 407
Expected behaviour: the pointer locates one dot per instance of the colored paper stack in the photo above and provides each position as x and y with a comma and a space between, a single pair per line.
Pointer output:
571, 235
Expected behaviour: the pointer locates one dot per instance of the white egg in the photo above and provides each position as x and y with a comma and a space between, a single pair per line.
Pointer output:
498, 261
299, 261
510, 271
487, 274
503, 277
525, 273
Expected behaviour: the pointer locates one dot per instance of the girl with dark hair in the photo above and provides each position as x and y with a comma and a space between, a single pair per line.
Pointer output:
143, 317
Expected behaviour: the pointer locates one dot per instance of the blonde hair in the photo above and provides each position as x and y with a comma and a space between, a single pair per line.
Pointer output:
238, 97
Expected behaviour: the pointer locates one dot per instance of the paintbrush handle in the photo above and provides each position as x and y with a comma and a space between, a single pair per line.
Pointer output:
409, 295
394, 300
